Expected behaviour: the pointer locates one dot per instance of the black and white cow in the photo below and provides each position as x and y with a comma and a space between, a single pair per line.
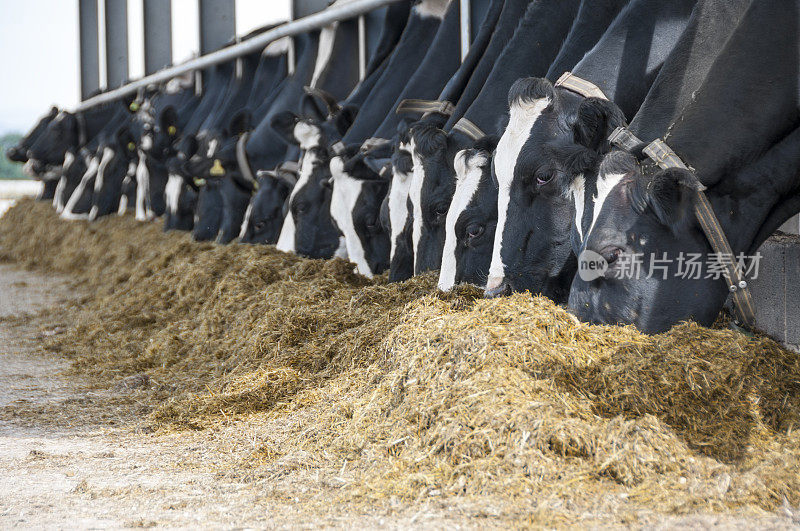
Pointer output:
546, 23
555, 132
747, 158
32, 168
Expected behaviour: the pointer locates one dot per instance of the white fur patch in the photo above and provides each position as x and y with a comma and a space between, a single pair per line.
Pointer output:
307, 135
604, 186
58, 198
286, 241
172, 192
99, 181
415, 194
398, 206
346, 191
142, 190
123, 200
327, 39
91, 173
279, 47
578, 188
468, 175
212, 148
522, 117
432, 8
246, 220
147, 142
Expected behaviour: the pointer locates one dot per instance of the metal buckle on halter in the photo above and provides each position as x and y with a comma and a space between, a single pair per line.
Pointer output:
425, 107
469, 128
579, 86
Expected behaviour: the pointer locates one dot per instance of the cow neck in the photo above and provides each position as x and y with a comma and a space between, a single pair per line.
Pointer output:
627, 58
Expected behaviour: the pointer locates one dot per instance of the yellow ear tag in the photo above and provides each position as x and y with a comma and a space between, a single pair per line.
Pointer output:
134, 106
217, 170
172, 130
131, 146
199, 182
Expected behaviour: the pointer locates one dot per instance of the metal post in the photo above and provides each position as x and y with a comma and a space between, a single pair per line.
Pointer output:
116, 43
466, 27
362, 47
89, 47
217, 24
157, 35
346, 11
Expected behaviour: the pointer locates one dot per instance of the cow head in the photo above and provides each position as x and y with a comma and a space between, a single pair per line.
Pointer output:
398, 209
118, 160
308, 228
431, 191
357, 196
19, 152
552, 137
58, 137
268, 207
471, 218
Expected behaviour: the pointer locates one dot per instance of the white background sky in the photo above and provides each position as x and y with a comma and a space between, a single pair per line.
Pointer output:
39, 49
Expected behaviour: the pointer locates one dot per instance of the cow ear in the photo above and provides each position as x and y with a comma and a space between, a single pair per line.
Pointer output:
530, 89
345, 118
283, 123
53, 111
487, 143
168, 120
240, 123
669, 194
595, 120
312, 107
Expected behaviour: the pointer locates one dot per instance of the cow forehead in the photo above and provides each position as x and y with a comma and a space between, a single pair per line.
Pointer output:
308, 135
523, 116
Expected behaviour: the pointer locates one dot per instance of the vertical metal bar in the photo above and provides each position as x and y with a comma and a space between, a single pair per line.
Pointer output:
157, 35
116, 43
362, 47
217, 24
89, 47
466, 27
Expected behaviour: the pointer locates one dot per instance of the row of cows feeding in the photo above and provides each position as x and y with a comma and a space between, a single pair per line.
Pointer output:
500, 169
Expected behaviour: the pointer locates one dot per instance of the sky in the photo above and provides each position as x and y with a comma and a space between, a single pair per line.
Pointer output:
39, 50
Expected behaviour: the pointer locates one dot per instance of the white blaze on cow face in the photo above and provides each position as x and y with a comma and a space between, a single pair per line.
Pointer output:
147, 142
212, 148
91, 173
172, 192
398, 203
432, 8
307, 135
522, 117
142, 190
246, 221
286, 240
468, 175
58, 198
99, 181
346, 192
605, 183
578, 188
415, 195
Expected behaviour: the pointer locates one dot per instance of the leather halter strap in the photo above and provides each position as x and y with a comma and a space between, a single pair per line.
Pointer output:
244, 164
469, 128
425, 107
662, 154
573, 83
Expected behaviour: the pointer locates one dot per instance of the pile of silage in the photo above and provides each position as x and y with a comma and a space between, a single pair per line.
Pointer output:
433, 394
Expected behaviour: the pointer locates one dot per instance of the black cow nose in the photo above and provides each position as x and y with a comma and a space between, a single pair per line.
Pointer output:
503, 290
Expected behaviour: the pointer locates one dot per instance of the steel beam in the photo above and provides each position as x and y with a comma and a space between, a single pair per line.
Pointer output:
157, 35
318, 20
89, 47
116, 43
217, 24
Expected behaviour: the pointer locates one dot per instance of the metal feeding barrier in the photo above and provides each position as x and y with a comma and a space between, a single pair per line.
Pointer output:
317, 20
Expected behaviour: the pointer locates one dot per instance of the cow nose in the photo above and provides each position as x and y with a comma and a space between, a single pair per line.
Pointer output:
495, 289
12, 152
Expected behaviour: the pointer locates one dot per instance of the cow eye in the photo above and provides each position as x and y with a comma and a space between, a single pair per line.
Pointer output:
301, 207
611, 254
259, 225
440, 210
544, 178
474, 230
